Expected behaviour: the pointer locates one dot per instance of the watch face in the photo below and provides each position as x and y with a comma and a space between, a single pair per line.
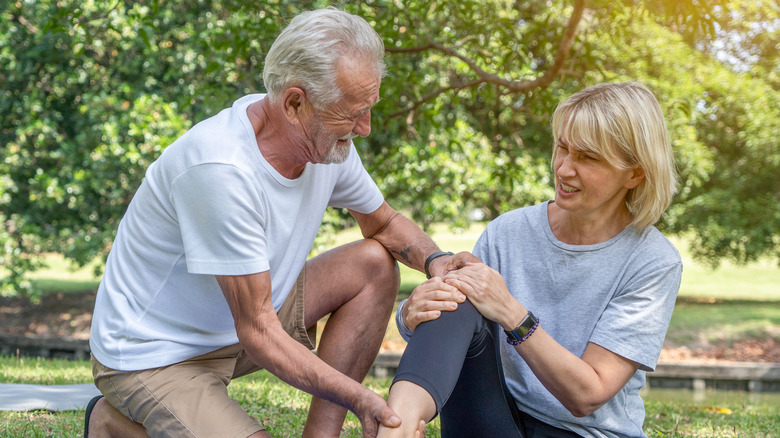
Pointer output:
513, 335
525, 326
522, 331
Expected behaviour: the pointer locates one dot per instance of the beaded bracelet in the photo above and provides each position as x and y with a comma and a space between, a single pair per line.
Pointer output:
524, 338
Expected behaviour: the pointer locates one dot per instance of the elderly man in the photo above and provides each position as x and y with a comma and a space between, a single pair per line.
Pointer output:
208, 277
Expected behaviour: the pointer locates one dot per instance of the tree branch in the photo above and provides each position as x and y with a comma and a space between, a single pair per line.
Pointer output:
560, 57
512, 86
416, 49
432, 95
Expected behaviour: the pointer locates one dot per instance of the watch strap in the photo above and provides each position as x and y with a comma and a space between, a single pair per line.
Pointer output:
431, 258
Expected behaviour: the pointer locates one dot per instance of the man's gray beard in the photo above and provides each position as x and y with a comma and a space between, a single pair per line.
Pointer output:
337, 154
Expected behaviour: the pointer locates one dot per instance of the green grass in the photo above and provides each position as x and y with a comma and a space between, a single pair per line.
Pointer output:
283, 409
61, 276
39, 371
34, 424
697, 323
756, 281
41, 424
729, 303
729, 419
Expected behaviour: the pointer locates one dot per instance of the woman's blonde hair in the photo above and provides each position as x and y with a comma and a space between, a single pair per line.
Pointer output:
624, 124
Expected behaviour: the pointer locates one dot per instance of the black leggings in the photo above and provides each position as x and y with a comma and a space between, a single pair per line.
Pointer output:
456, 358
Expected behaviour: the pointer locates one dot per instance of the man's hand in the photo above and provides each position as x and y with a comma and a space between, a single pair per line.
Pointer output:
442, 266
428, 300
420, 432
372, 411
268, 345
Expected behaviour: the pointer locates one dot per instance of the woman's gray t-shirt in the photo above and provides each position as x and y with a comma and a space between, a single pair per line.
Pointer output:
618, 294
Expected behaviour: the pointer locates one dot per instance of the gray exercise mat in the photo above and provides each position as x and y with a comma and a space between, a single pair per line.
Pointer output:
21, 397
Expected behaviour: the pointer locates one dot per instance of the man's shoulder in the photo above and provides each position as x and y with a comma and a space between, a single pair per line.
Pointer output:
226, 116
218, 139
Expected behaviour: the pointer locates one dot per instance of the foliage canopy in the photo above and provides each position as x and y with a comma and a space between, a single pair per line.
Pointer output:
93, 91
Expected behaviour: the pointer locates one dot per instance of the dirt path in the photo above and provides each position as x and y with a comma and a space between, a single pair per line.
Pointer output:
68, 316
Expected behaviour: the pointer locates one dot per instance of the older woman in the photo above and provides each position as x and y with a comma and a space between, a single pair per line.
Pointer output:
553, 333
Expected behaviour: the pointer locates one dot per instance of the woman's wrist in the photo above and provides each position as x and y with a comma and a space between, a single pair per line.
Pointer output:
403, 330
514, 315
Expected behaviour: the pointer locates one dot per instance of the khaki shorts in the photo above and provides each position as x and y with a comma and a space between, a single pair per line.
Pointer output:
190, 398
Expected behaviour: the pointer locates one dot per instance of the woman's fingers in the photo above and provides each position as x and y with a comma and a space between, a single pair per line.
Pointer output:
484, 287
418, 318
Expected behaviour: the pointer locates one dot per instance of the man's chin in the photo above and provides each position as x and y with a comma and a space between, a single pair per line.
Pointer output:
337, 155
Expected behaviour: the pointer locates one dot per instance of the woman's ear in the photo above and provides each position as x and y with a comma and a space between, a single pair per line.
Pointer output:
636, 176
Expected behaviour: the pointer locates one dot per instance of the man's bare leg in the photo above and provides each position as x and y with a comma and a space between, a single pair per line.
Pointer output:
357, 284
107, 422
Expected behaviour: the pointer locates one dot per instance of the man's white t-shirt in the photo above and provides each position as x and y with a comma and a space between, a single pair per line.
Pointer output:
210, 205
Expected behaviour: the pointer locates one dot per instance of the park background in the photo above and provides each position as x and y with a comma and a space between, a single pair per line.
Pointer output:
93, 91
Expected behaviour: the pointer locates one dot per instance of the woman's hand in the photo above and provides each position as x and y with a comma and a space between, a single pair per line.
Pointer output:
440, 266
487, 291
428, 300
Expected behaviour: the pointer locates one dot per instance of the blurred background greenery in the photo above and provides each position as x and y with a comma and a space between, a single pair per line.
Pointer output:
92, 91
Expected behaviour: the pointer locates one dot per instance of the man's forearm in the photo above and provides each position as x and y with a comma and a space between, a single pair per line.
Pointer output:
293, 363
269, 346
407, 242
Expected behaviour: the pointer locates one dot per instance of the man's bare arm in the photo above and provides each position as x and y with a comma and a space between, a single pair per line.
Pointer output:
263, 338
407, 242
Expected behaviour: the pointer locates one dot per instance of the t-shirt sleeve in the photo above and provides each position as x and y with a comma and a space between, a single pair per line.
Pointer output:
354, 188
634, 323
220, 217
481, 247
404, 331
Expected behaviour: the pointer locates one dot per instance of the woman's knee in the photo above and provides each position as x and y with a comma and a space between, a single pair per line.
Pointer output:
465, 321
465, 312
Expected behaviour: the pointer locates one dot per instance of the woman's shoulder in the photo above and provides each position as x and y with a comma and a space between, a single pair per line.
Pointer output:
515, 230
653, 245
528, 214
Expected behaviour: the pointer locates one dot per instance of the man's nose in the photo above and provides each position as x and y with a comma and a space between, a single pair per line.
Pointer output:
363, 125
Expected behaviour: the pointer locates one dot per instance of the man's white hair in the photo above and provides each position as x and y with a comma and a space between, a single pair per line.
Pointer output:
308, 51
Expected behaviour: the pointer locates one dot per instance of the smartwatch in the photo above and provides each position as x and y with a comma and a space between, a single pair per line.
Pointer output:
523, 331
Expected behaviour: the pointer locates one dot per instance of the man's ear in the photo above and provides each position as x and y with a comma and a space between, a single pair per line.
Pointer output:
293, 100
